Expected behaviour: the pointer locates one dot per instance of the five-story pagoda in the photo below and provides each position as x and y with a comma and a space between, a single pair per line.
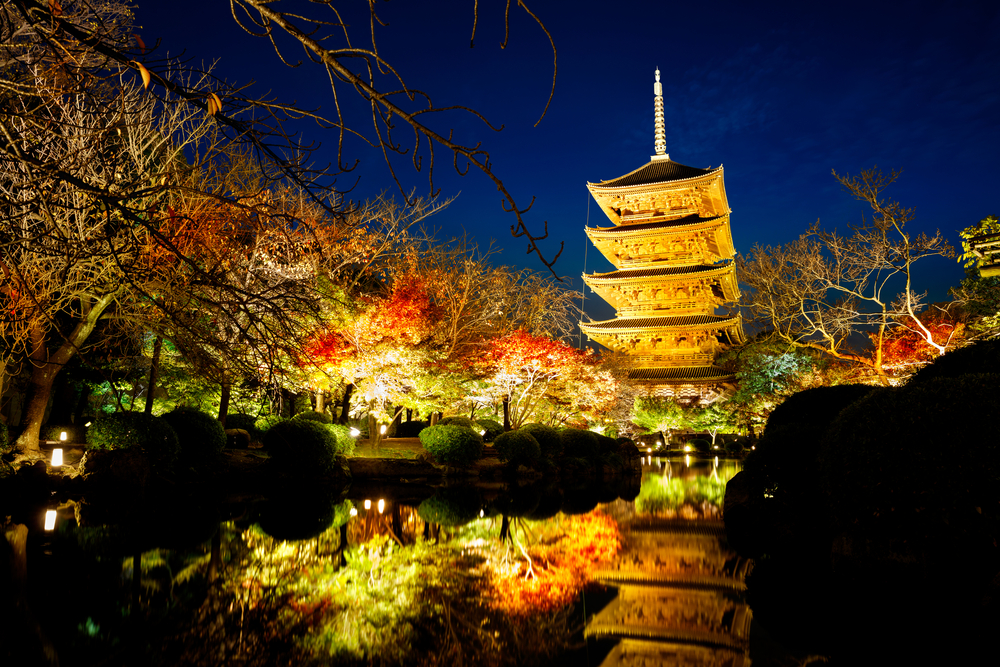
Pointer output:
673, 253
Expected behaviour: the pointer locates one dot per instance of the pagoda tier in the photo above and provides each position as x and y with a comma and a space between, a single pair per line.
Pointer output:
655, 342
678, 290
685, 240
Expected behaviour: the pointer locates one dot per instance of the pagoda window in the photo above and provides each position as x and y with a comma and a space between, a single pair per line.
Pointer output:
717, 291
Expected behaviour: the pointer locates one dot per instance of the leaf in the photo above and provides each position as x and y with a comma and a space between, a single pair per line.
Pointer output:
142, 44
146, 77
55, 8
218, 103
211, 105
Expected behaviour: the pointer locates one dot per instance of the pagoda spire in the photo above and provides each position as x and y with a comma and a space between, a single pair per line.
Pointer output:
659, 132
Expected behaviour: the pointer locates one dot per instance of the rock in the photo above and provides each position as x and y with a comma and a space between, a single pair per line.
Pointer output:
237, 438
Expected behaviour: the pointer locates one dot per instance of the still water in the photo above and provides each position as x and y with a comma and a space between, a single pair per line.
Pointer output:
408, 574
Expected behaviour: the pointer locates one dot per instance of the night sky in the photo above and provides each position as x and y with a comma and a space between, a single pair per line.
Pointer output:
780, 96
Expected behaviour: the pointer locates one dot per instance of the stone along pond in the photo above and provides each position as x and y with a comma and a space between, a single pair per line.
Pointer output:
493, 574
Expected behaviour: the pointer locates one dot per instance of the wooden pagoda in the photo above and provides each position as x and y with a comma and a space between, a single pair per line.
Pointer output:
673, 254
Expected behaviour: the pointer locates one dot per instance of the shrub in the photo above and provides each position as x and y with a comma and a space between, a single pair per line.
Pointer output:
580, 444
982, 357
607, 444
547, 437
246, 422
517, 448
345, 443
128, 430
459, 421
410, 429
53, 431
451, 506
301, 446
4, 438
200, 435
452, 444
312, 415
698, 445
492, 428
267, 421
816, 407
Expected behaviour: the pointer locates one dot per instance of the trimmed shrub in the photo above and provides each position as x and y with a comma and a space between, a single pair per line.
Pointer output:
245, 422
267, 421
547, 437
981, 357
517, 448
200, 435
580, 444
410, 429
459, 421
607, 444
492, 428
136, 430
303, 447
312, 415
345, 443
699, 445
816, 407
454, 506
452, 444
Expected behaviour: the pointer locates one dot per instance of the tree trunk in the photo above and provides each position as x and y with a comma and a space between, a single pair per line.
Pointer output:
320, 401
345, 405
227, 391
409, 415
154, 366
506, 414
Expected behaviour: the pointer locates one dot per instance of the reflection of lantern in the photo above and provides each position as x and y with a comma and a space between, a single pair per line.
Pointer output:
56, 458
687, 460
355, 432
62, 436
50, 519
354, 511
481, 514
368, 504
381, 505
649, 450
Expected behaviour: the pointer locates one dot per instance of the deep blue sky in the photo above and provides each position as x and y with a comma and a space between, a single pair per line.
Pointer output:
779, 93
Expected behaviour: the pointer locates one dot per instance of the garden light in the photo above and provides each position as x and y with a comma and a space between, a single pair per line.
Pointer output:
368, 504
382, 430
354, 432
62, 436
354, 511
649, 450
381, 505
56, 458
87, 424
482, 514
50, 519
482, 432
687, 448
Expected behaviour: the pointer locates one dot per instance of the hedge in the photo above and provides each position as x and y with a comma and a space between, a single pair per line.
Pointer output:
302, 447
492, 428
345, 441
580, 444
129, 430
452, 444
200, 435
459, 421
517, 448
547, 437
312, 415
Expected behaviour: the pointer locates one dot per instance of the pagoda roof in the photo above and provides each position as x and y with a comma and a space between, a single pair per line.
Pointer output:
659, 224
657, 271
681, 374
700, 321
656, 171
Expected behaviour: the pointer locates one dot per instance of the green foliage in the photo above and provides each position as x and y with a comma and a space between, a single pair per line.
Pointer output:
988, 225
455, 506
200, 435
301, 447
52, 432
312, 415
577, 443
452, 444
655, 413
492, 428
246, 422
302, 403
459, 421
266, 422
517, 448
128, 430
659, 493
345, 442
699, 445
547, 437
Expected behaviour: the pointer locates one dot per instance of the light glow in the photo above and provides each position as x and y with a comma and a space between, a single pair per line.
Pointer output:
57, 458
50, 519
87, 424
649, 450
482, 513
687, 460
382, 429
62, 436
381, 505
368, 504
354, 432
354, 511
687, 448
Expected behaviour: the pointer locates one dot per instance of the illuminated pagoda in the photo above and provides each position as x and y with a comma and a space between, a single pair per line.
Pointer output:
673, 254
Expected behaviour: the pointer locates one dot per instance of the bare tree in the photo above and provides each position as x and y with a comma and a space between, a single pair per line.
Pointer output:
820, 289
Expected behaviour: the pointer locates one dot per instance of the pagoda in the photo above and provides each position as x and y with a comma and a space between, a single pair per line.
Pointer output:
674, 272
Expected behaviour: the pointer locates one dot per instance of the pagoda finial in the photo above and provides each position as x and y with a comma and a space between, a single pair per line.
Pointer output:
659, 132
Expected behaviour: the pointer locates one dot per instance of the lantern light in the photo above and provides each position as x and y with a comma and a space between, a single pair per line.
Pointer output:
482, 514
62, 436
87, 424
368, 504
381, 505
649, 450
57, 459
355, 432
382, 429
354, 511
50, 519
687, 448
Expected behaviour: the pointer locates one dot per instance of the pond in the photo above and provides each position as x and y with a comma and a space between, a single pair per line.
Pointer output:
493, 574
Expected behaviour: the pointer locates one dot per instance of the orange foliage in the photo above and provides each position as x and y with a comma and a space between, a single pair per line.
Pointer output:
558, 570
907, 345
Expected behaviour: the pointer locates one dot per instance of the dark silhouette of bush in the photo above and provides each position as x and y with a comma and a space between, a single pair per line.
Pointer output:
301, 447
816, 407
312, 415
136, 430
246, 422
454, 506
578, 443
981, 357
699, 445
299, 514
492, 428
458, 420
547, 437
517, 448
606, 444
200, 435
410, 429
452, 444
4, 438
